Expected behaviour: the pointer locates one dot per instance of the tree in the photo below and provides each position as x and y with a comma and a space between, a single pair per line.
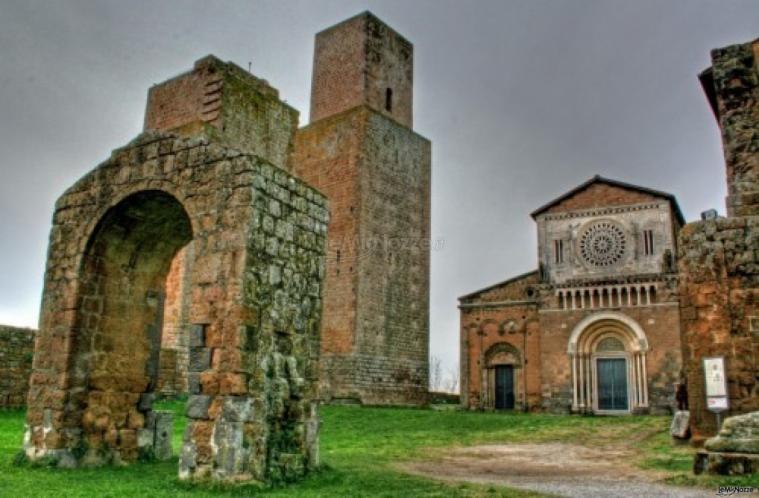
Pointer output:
436, 373
452, 382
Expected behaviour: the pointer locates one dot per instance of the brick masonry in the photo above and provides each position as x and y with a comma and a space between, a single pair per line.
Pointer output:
357, 62
719, 259
376, 172
527, 323
16, 351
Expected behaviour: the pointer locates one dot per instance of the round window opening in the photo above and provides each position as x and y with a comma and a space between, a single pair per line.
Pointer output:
602, 244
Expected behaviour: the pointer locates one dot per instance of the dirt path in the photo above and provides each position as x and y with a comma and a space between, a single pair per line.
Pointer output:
558, 469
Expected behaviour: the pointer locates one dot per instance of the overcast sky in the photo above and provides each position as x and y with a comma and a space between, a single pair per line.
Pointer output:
522, 101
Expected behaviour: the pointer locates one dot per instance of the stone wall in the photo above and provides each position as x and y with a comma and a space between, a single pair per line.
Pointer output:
227, 104
719, 289
16, 350
258, 238
719, 260
732, 87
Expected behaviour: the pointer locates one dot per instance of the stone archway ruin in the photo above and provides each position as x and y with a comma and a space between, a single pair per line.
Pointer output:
254, 294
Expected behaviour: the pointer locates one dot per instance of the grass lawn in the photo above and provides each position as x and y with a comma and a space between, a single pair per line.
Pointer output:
358, 448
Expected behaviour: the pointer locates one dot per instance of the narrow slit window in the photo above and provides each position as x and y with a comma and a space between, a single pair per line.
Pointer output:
389, 100
558, 249
648, 242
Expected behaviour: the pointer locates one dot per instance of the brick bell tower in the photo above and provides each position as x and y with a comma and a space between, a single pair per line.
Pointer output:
361, 151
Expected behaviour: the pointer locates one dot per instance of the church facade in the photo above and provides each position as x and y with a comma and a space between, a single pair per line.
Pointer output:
595, 329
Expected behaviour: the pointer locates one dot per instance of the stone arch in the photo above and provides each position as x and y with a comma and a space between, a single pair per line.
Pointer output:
253, 334
502, 353
115, 360
587, 359
591, 325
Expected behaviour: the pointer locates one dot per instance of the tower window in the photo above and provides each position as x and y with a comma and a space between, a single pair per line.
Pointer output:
389, 100
648, 242
558, 251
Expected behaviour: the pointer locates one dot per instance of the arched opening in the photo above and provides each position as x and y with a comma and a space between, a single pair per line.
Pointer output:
502, 371
608, 356
120, 319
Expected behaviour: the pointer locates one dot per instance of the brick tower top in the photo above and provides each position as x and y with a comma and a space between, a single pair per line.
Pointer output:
362, 61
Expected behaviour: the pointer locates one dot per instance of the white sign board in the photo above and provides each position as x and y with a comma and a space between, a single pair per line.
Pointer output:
716, 384
714, 372
719, 403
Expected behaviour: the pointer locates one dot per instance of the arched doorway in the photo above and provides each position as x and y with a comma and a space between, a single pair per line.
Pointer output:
607, 353
120, 317
502, 370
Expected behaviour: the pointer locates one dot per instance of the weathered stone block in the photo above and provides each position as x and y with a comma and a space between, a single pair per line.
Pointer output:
193, 383
200, 359
230, 453
237, 409
739, 434
197, 406
680, 425
164, 429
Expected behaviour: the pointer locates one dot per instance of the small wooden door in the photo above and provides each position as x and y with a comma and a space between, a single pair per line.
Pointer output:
612, 384
504, 387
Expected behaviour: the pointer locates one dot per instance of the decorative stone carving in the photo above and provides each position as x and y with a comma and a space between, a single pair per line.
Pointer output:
602, 244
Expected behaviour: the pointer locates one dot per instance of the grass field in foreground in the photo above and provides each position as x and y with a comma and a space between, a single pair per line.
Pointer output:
358, 447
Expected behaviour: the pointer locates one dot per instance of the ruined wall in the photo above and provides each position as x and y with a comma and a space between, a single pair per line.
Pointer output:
356, 62
732, 86
719, 288
258, 237
16, 350
227, 104
719, 262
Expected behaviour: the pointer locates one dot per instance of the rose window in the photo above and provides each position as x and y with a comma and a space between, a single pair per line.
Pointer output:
602, 244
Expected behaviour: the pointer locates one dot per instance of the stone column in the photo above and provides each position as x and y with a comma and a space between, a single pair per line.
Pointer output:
573, 358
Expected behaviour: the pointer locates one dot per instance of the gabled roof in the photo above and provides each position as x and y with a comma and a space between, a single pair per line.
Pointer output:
614, 183
499, 284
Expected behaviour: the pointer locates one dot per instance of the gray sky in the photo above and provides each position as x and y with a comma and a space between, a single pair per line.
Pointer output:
522, 101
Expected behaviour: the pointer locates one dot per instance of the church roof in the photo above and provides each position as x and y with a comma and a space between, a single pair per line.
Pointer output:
614, 183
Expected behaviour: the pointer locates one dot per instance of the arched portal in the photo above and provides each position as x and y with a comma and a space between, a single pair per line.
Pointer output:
120, 316
607, 352
502, 373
